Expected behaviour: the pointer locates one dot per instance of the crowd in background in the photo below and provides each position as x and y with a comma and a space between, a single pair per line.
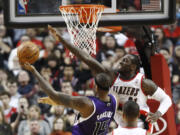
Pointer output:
20, 112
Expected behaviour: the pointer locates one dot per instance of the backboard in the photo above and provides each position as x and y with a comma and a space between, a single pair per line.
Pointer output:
39, 13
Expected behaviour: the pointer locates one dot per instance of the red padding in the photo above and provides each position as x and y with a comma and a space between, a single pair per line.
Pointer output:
161, 76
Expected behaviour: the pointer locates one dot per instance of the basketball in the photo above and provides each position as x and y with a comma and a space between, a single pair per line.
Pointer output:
28, 52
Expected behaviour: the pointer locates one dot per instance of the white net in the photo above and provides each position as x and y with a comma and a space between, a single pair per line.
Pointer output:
82, 22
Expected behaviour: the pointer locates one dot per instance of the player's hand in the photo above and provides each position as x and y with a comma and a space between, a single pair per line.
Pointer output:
53, 32
47, 100
153, 117
28, 66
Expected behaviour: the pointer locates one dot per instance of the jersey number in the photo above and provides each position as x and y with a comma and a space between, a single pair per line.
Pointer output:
101, 127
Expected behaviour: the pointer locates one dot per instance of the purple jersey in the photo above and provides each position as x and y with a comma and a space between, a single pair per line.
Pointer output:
98, 122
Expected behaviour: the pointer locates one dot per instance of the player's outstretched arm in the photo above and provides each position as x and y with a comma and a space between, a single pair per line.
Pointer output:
151, 89
83, 104
94, 65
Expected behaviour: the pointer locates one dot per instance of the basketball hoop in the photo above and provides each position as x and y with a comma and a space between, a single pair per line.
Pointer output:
82, 21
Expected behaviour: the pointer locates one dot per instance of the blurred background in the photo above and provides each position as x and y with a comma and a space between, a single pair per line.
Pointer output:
20, 114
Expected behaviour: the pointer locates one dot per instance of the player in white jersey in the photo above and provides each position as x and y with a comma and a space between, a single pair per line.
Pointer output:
131, 90
127, 73
130, 115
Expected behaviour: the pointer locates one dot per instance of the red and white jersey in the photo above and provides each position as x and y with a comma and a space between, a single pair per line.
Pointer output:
130, 131
130, 90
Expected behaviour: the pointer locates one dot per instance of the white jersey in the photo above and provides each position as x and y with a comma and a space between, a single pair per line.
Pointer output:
130, 131
130, 90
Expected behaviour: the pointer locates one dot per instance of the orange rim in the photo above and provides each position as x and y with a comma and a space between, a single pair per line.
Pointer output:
83, 15
81, 5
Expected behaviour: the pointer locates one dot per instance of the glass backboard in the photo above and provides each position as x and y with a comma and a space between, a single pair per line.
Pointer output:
39, 13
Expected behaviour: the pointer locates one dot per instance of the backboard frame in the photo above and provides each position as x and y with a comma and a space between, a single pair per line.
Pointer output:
10, 20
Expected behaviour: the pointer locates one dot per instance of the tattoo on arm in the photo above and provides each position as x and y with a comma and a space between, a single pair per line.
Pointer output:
80, 103
149, 86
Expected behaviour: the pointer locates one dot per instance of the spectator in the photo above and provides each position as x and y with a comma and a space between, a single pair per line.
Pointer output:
53, 64
57, 112
68, 75
21, 115
24, 38
162, 41
173, 68
120, 51
25, 88
5, 98
176, 61
49, 44
46, 73
110, 44
32, 33
127, 41
165, 52
67, 88
13, 62
5, 129
5, 34
17, 34
5, 47
35, 128
6, 40
12, 89
172, 32
3, 79
176, 74
25, 126
58, 127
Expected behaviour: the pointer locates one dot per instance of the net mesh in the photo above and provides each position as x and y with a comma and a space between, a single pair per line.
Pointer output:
82, 22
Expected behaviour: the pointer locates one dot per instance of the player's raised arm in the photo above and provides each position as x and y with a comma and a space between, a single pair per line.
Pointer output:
83, 104
94, 65
151, 89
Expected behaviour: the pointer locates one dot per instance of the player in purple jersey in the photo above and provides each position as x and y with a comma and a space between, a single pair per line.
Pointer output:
96, 113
